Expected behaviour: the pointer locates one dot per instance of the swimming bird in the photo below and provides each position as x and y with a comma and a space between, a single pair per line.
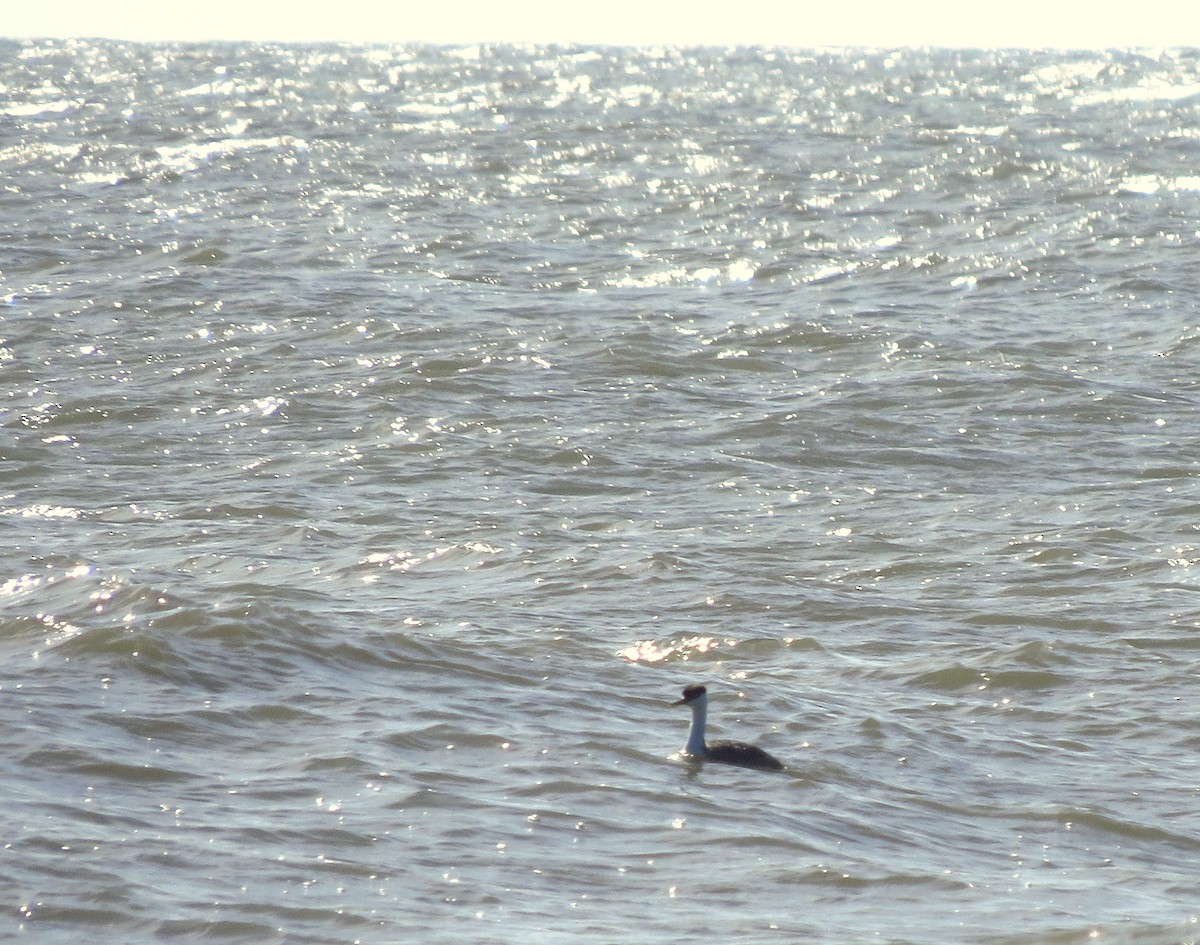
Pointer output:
730, 753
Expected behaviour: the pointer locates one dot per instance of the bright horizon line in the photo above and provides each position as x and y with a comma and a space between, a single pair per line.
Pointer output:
1066, 24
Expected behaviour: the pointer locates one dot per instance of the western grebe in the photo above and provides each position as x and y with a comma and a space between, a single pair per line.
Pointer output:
730, 753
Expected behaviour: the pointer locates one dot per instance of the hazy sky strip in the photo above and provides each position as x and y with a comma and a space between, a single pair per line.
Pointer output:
963, 23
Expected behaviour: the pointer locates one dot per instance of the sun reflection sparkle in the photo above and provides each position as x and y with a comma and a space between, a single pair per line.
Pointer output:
652, 651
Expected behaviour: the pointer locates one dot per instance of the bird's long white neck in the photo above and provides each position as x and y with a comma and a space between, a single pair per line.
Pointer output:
695, 743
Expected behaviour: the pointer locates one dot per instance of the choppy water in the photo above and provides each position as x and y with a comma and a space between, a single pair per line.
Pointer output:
389, 434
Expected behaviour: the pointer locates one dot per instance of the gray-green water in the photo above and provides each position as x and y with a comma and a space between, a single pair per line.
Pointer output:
390, 433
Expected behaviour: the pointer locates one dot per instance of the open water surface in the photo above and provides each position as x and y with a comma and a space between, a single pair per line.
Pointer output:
387, 434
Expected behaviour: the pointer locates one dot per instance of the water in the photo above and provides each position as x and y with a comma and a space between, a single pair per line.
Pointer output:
390, 433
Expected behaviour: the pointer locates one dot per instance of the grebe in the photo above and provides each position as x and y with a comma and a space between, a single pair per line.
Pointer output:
730, 753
